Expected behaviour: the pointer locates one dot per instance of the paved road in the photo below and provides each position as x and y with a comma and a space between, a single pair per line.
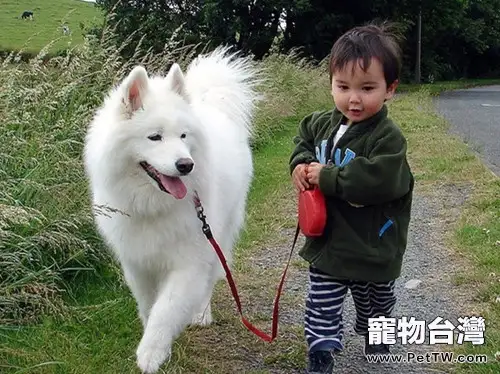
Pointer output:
474, 115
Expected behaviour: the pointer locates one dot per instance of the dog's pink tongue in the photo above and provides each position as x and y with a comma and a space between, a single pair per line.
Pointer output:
173, 185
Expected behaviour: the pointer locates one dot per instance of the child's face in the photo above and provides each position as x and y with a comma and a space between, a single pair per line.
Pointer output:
358, 94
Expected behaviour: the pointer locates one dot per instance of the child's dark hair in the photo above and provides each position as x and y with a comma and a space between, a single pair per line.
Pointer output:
363, 43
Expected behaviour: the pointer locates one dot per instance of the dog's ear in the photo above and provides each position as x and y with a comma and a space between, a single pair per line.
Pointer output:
134, 88
175, 81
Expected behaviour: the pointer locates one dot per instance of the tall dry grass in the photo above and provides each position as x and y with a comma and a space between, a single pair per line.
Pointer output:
46, 231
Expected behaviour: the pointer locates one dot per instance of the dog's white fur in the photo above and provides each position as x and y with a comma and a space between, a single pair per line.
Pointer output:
167, 262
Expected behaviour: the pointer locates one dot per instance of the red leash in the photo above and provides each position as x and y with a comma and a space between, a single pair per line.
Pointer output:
208, 233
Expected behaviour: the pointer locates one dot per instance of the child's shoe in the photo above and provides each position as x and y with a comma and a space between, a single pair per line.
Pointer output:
375, 349
320, 362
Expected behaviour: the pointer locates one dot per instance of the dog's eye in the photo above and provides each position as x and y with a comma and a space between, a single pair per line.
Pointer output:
183, 136
155, 138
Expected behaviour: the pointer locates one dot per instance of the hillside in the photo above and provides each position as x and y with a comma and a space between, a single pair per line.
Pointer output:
49, 16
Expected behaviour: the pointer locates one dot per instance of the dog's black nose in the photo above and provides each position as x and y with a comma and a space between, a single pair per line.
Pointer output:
184, 165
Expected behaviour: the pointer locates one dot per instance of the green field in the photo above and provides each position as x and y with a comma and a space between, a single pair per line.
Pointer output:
46, 26
63, 305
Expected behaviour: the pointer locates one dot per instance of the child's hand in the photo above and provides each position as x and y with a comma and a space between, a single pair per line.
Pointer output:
313, 172
299, 177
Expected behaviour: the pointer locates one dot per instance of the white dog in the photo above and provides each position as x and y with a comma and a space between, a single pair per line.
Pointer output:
151, 146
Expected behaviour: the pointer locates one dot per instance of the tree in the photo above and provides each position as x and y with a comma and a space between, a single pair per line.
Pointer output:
250, 26
459, 37
155, 21
314, 25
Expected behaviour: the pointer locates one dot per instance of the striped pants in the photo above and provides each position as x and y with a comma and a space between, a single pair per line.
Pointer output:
324, 306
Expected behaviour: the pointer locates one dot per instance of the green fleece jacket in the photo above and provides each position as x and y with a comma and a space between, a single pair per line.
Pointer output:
368, 187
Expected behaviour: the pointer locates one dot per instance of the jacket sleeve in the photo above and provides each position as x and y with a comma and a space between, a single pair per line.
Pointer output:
304, 151
381, 177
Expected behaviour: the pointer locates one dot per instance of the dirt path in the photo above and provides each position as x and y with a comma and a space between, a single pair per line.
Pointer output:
427, 259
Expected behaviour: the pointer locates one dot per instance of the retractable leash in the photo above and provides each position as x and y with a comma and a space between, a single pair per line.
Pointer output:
208, 233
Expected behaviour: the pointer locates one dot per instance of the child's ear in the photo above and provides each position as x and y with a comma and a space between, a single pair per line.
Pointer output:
391, 90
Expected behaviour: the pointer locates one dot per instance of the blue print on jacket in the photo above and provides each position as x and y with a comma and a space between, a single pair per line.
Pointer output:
321, 153
349, 155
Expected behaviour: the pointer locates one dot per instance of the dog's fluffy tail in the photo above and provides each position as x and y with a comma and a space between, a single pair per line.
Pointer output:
227, 82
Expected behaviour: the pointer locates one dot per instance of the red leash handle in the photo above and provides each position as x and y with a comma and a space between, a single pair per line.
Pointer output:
261, 334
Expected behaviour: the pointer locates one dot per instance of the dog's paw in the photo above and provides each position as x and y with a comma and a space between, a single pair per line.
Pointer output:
151, 357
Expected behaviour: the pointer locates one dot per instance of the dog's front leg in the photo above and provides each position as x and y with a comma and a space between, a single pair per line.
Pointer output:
142, 287
183, 291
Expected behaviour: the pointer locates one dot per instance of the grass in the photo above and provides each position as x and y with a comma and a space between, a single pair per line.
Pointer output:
442, 159
477, 237
97, 301
109, 348
48, 19
58, 286
57, 274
